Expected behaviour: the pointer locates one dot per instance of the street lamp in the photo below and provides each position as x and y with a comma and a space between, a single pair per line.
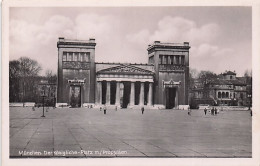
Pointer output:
43, 95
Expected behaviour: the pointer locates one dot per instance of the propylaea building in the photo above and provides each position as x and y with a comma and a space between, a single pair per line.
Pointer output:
161, 83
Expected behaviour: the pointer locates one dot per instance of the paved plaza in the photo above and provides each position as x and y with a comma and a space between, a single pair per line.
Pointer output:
82, 132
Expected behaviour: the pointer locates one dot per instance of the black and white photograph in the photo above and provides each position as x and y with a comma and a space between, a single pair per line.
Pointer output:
129, 82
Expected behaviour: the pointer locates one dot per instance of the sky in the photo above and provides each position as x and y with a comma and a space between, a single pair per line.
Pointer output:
220, 37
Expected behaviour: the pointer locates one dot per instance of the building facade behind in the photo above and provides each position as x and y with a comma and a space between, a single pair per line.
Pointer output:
227, 90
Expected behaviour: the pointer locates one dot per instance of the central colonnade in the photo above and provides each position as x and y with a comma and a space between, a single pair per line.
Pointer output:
124, 92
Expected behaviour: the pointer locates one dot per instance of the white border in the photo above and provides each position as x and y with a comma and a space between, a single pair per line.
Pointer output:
131, 161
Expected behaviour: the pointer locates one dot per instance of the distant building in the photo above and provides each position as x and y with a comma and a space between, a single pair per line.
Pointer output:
47, 90
163, 82
225, 90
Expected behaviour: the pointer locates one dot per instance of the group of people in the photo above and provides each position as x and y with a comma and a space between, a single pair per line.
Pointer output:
213, 111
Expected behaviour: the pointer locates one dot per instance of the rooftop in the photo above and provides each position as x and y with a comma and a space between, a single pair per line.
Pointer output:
63, 41
159, 44
229, 73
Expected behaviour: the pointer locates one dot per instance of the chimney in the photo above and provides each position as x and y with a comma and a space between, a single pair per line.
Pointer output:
61, 38
92, 40
186, 43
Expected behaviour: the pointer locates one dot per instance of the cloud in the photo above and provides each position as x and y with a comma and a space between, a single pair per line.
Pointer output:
208, 50
118, 42
178, 29
39, 41
140, 37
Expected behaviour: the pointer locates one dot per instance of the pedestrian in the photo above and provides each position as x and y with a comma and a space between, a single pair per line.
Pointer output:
100, 109
105, 109
205, 111
33, 108
116, 108
189, 112
212, 111
142, 110
215, 110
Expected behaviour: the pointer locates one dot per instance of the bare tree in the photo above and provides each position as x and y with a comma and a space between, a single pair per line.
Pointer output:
51, 77
192, 76
29, 70
14, 80
207, 76
248, 73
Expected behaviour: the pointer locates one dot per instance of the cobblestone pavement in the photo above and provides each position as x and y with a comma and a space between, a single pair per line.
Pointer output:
81, 132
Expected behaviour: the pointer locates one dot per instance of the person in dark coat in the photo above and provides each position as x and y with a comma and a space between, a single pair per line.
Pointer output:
189, 112
105, 109
205, 111
212, 111
215, 110
142, 110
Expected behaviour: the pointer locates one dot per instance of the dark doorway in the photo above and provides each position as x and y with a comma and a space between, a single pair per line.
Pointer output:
113, 93
146, 90
104, 91
170, 97
75, 96
137, 92
126, 94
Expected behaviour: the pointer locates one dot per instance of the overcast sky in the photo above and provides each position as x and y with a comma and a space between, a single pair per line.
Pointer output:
220, 37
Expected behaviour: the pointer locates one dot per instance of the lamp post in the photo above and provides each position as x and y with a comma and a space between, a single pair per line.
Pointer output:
43, 95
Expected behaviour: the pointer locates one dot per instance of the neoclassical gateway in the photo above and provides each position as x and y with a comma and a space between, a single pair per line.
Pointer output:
162, 83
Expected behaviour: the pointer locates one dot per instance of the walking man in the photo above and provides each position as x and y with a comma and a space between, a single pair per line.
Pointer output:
142, 110
205, 111
212, 111
105, 109
215, 110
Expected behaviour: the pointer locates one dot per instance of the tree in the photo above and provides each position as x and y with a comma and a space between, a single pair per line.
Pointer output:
248, 73
192, 76
51, 78
207, 76
14, 74
29, 70
248, 76
23, 76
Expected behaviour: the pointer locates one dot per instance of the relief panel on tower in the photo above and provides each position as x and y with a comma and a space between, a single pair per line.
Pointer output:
76, 60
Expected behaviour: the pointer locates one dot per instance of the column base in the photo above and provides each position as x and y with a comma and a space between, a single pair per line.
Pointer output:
140, 106
159, 106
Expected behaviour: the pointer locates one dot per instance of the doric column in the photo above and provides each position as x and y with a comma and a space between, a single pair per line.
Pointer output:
174, 59
121, 91
180, 60
132, 94
99, 93
73, 56
117, 93
150, 94
108, 93
141, 99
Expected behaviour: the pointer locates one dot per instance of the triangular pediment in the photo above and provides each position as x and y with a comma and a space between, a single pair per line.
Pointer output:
126, 69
